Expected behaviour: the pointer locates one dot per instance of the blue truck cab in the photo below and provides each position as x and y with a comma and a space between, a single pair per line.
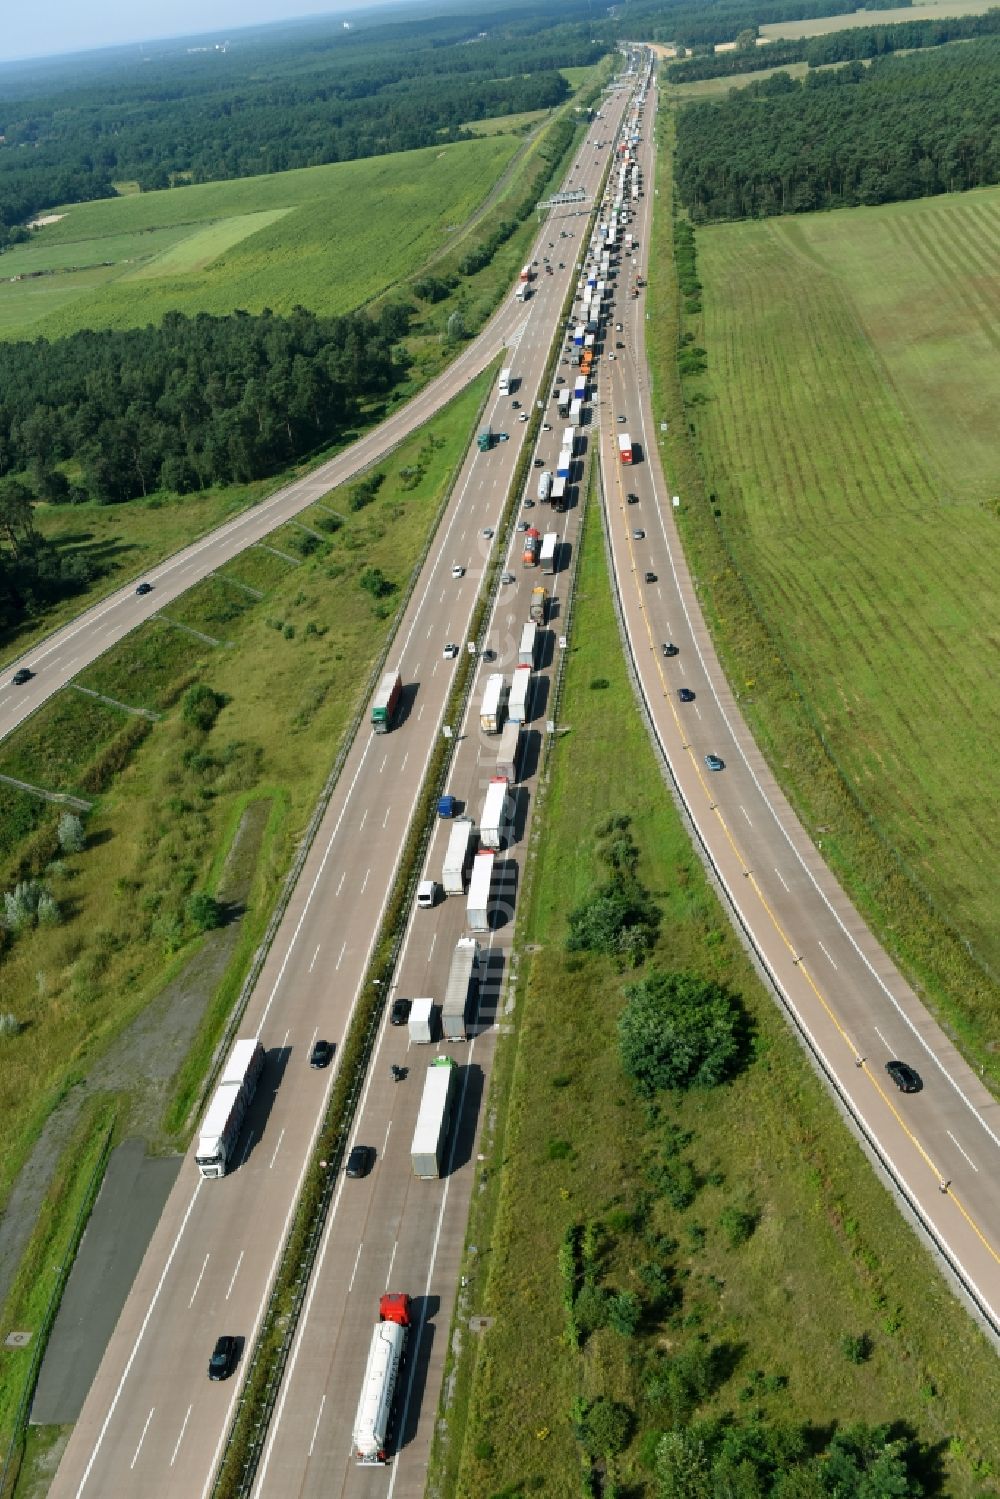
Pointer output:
446, 806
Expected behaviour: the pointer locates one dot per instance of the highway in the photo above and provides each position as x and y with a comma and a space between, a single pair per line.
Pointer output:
849, 1003
153, 1424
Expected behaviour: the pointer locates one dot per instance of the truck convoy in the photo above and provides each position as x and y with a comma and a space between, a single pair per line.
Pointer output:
434, 1119
544, 486
547, 556
526, 273
463, 982
386, 702
505, 381
624, 447
485, 440
420, 1022
477, 906
388, 1345
496, 814
539, 605
223, 1120
491, 711
517, 703
458, 855
528, 645
532, 541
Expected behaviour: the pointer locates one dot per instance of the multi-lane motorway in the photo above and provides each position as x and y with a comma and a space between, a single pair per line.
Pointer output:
152, 1423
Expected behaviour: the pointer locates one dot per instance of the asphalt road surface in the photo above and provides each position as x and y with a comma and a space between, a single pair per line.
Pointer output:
153, 1424
851, 1006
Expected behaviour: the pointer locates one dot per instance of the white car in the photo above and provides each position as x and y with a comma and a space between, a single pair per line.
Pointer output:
488, 532
450, 652
546, 426
611, 356
458, 571
523, 417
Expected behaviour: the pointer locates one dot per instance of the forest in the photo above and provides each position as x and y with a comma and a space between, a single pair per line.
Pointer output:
318, 96
836, 46
903, 127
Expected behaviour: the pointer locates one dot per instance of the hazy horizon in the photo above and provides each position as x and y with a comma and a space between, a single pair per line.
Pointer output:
60, 28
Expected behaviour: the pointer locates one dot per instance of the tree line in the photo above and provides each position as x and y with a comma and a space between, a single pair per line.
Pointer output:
312, 97
861, 42
903, 127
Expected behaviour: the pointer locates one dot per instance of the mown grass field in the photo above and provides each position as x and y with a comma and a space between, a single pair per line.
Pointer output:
714, 88
848, 436
292, 671
330, 238
829, 1257
820, 25
505, 124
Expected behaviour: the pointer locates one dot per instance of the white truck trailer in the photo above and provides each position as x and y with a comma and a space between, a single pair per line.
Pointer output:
420, 1022
496, 814
491, 712
372, 1422
517, 706
478, 903
547, 556
223, 1120
459, 996
457, 855
509, 753
434, 1119
529, 639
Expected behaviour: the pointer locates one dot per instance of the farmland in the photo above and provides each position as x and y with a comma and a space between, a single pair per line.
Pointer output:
330, 238
820, 25
829, 1258
846, 435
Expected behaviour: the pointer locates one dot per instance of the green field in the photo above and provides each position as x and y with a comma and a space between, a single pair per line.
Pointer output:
848, 437
330, 238
506, 124
570, 1143
714, 88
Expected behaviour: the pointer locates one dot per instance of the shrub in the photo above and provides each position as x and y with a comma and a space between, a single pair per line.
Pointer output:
737, 1225
72, 839
200, 706
857, 1350
591, 1309
606, 1428
599, 684
203, 911
625, 1313
21, 905
678, 1031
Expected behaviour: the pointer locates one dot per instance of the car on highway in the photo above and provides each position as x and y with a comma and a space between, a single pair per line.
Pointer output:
638, 536
619, 345
623, 420
489, 655
546, 426
650, 577
22, 675
143, 589
632, 499
539, 463
611, 356
522, 525
502, 436
515, 405
685, 694
223, 1359
457, 570
507, 578
400, 1012
906, 1078
321, 1054
523, 416
618, 328
360, 1161
488, 532
529, 504
450, 651
714, 762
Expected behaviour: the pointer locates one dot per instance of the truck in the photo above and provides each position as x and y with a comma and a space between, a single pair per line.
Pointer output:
385, 1356
491, 710
532, 541
576, 413
485, 440
559, 495
437, 1102
564, 463
520, 688
569, 438
624, 447
509, 753
526, 273
565, 397
224, 1117
420, 1022
496, 814
580, 388
539, 605
386, 702
458, 855
544, 486
477, 913
523, 292
578, 335
505, 381
463, 982
547, 556
529, 642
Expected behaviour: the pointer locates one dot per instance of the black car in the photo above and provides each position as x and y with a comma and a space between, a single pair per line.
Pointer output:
685, 694
21, 676
223, 1359
906, 1078
144, 588
650, 577
400, 1012
321, 1054
632, 499
360, 1161
669, 649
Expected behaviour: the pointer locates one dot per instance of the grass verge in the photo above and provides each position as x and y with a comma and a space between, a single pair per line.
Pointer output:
788, 1246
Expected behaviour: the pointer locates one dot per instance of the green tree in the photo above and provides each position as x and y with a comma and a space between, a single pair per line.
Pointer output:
203, 911
625, 1313
607, 1428
72, 838
678, 1031
682, 1466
